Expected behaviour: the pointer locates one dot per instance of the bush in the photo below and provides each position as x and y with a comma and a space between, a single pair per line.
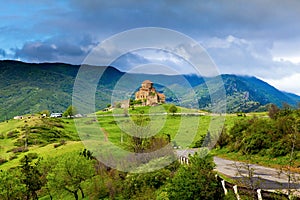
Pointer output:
30, 157
195, 181
2, 160
199, 142
56, 145
261, 136
12, 134
19, 142
223, 139
62, 142
18, 150
12, 157
144, 185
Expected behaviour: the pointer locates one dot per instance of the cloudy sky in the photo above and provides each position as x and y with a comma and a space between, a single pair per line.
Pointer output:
256, 38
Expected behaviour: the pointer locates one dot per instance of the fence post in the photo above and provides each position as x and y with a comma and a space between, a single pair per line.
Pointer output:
236, 192
259, 194
223, 184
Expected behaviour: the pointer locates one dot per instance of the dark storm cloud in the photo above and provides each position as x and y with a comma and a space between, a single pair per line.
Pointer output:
252, 20
254, 37
217, 18
54, 49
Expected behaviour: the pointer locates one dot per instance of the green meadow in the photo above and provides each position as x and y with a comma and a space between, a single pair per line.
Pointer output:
51, 137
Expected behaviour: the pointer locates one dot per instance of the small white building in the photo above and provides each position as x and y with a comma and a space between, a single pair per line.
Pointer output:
78, 115
56, 115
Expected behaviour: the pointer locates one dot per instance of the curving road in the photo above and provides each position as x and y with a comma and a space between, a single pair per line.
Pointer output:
262, 177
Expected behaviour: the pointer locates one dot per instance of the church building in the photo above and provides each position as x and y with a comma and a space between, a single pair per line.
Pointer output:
148, 95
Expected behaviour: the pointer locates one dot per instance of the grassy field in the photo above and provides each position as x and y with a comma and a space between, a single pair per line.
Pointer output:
108, 129
181, 127
46, 137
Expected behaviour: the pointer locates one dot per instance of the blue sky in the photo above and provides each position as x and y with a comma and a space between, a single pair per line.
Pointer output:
257, 38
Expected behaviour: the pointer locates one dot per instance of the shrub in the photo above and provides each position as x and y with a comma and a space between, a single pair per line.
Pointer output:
223, 139
195, 181
12, 157
199, 142
56, 145
2, 160
19, 142
30, 157
12, 134
18, 150
62, 142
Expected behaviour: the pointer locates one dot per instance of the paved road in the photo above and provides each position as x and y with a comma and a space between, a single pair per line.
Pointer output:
263, 177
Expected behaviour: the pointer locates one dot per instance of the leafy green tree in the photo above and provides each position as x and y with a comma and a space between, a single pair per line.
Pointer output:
69, 174
71, 111
144, 185
45, 167
140, 141
195, 181
173, 109
30, 177
11, 186
223, 138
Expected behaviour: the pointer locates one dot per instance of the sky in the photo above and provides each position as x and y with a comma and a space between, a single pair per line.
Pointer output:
255, 38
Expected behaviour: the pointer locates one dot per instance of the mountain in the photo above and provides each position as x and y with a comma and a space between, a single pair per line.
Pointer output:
293, 96
29, 88
246, 94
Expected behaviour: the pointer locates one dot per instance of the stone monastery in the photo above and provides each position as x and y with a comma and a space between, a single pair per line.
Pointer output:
148, 95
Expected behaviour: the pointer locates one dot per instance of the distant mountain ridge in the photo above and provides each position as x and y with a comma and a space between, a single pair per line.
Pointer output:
29, 88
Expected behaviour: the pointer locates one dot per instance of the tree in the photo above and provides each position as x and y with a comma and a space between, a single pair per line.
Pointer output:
71, 111
139, 141
11, 186
195, 181
173, 109
272, 111
70, 172
144, 185
30, 177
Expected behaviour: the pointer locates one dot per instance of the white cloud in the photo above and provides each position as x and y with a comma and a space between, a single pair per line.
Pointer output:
286, 50
289, 84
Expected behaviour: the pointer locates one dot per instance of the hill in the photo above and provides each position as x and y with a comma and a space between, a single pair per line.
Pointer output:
247, 94
30, 88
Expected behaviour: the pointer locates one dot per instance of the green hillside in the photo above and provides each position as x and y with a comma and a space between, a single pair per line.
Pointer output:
247, 94
54, 136
53, 148
29, 88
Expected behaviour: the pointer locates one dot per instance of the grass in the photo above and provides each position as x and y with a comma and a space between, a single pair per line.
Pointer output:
44, 152
42, 134
185, 130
